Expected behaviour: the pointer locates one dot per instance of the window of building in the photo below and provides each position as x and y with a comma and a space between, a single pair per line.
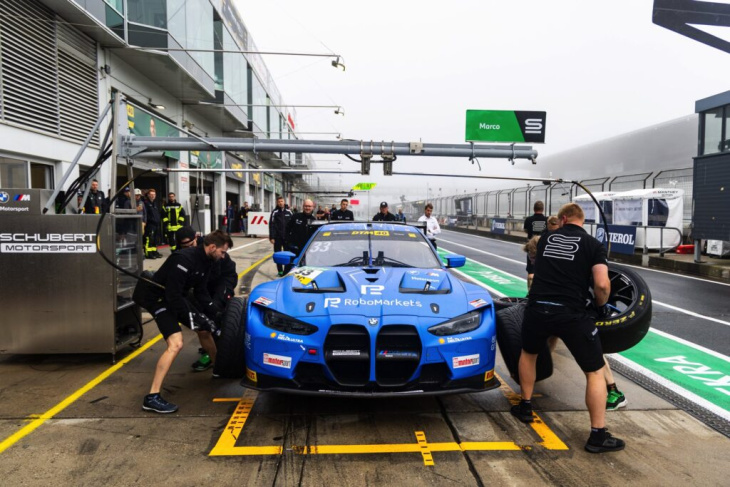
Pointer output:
13, 173
712, 131
148, 12
41, 176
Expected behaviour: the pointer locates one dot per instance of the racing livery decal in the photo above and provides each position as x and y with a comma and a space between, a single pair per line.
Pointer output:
277, 360
465, 361
305, 275
264, 301
478, 303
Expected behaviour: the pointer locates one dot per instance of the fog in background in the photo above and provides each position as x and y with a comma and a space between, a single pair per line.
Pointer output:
414, 68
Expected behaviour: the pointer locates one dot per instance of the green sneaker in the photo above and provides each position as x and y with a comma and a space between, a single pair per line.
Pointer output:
203, 363
615, 400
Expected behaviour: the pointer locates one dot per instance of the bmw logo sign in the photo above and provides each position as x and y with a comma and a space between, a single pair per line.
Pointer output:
373, 322
4, 197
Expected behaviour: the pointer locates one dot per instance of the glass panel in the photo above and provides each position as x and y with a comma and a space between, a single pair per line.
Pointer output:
41, 176
726, 141
176, 20
658, 212
258, 97
235, 77
199, 30
118, 5
713, 131
13, 173
148, 12
114, 21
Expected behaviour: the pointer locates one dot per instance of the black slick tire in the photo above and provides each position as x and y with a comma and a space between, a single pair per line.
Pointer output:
509, 339
629, 325
506, 302
230, 359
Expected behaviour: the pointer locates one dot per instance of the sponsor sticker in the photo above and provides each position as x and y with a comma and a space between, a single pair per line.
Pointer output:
478, 303
305, 275
247, 340
465, 361
488, 375
251, 375
286, 338
397, 354
345, 353
277, 361
263, 301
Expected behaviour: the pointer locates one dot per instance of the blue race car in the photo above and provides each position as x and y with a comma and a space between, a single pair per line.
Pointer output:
367, 309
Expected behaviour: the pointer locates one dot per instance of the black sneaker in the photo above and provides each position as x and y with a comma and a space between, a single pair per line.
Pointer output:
154, 402
609, 443
523, 412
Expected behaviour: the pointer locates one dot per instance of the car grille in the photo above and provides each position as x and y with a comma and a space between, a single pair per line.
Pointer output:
347, 354
397, 354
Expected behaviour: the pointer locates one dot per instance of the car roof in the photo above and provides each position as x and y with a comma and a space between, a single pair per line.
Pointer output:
390, 226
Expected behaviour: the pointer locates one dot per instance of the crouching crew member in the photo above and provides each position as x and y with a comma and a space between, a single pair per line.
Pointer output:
173, 219
566, 261
168, 304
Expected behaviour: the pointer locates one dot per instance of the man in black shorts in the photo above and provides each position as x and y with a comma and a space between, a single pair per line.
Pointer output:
566, 262
167, 302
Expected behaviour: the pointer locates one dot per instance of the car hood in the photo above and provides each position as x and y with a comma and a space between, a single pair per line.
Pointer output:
309, 292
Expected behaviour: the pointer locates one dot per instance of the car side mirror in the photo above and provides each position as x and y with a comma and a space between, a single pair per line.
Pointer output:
453, 260
284, 257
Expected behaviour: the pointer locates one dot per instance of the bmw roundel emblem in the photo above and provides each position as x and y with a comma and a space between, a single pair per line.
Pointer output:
4, 197
373, 321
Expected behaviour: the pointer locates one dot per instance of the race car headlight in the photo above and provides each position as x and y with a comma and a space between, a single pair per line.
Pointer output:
287, 324
460, 324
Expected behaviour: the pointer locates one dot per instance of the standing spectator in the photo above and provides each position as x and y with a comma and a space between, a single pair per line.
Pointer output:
556, 306
152, 229
432, 224
400, 217
343, 213
297, 231
320, 213
168, 304
95, 202
230, 216
384, 215
326, 213
243, 217
79, 200
278, 222
173, 219
141, 208
536, 224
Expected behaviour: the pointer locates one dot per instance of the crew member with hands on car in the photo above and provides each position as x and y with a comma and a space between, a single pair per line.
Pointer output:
167, 302
566, 260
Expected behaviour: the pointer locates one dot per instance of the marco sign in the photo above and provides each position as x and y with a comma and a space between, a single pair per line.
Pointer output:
505, 126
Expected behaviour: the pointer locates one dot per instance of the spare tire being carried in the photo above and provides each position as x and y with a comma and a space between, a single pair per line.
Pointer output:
230, 360
509, 339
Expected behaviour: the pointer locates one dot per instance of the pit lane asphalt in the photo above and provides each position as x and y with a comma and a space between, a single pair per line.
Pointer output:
103, 437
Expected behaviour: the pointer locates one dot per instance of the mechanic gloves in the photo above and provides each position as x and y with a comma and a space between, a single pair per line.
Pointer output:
606, 311
200, 322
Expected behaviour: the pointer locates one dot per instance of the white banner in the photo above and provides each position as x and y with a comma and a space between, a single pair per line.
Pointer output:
258, 223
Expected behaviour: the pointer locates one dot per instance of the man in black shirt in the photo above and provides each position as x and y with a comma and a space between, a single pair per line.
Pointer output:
343, 213
152, 229
566, 263
535, 224
167, 302
384, 215
278, 222
297, 231
95, 201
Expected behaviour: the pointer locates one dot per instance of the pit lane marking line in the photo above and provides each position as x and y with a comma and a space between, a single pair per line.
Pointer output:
252, 266
39, 420
425, 452
232, 431
248, 245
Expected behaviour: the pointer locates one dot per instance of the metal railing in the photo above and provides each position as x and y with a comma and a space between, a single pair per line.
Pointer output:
591, 228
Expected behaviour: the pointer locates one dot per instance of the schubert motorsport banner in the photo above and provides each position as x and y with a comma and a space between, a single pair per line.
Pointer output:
505, 126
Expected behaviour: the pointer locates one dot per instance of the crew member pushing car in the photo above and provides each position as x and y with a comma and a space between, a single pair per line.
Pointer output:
565, 262
184, 270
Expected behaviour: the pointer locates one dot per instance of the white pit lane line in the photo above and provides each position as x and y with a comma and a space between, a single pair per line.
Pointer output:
248, 245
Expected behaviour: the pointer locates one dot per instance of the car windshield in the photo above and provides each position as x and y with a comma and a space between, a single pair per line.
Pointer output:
391, 248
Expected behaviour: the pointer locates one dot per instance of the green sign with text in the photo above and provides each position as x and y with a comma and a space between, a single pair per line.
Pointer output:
505, 126
363, 186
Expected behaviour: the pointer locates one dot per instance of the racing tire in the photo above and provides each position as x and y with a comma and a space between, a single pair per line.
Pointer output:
509, 339
506, 302
230, 359
630, 323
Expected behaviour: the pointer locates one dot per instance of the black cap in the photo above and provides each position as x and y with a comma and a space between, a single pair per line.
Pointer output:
184, 234
384, 204
126, 189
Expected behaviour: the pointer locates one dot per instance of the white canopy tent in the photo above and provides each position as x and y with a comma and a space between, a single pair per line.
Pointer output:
654, 208
590, 209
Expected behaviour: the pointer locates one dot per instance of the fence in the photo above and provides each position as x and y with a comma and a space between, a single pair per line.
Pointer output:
517, 203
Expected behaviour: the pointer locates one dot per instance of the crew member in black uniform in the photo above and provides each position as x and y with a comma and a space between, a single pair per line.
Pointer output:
343, 213
384, 215
182, 271
278, 221
173, 219
297, 231
536, 223
152, 229
566, 262
95, 201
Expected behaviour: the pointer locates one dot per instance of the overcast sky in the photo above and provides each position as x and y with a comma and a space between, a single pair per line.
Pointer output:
598, 69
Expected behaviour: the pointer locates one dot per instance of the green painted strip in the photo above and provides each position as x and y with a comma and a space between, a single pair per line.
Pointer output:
503, 283
696, 371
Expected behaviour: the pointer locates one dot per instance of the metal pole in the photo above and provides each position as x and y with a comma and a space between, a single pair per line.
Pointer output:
133, 145
65, 177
